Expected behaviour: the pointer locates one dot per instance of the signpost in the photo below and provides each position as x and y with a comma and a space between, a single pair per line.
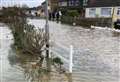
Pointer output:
47, 38
47, 46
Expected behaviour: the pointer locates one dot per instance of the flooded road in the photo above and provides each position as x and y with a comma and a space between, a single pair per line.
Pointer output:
96, 51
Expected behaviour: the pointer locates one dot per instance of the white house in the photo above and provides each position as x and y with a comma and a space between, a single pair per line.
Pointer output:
103, 9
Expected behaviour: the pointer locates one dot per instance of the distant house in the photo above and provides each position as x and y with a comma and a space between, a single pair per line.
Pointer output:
0, 8
103, 9
43, 6
34, 11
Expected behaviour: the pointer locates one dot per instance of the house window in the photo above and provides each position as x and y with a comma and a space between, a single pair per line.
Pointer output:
77, 3
92, 12
62, 3
118, 11
106, 12
71, 3
85, 2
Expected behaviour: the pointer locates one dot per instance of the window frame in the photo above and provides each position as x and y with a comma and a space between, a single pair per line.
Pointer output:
107, 10
92, 12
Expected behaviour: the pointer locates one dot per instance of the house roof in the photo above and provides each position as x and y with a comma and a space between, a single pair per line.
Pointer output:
103, 3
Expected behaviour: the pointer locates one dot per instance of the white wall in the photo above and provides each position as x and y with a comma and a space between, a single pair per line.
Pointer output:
87, 13
115, 11
116, 16
98, 12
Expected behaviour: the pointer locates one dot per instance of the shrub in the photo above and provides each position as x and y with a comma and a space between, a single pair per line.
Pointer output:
11, 14
72, 13
57, 61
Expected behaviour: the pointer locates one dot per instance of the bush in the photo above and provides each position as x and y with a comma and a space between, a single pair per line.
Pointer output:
57, 61
8, 15
72, 13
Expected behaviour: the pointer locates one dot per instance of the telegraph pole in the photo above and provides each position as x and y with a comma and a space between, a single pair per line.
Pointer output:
47, 38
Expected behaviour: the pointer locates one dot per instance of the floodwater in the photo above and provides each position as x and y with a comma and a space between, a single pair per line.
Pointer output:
96, 53
8, 72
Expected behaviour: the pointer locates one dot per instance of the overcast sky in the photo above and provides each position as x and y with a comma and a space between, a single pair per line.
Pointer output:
30, 3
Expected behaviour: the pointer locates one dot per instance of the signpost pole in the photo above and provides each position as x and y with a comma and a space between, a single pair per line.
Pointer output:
47, 37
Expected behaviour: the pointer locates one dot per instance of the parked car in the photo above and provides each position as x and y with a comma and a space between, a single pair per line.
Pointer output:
117, 24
